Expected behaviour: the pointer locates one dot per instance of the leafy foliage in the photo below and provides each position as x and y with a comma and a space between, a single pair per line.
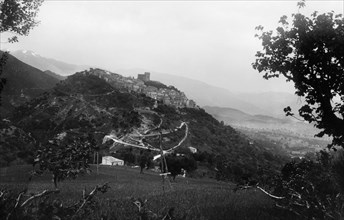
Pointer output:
18, 17
176, 163
17, 146
126, 120
309, 188
156, 84
145, 160
3, 60
85, 84
310, 54
66, 156
338, 167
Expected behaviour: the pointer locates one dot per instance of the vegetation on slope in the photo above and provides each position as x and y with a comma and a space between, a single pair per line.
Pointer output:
23, 82
85, 103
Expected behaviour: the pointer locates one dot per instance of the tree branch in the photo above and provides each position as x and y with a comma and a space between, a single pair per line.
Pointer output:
270, 195
90, 195
44, 193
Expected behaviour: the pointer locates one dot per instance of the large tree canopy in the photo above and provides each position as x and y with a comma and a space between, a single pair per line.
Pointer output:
18, 17
310, 53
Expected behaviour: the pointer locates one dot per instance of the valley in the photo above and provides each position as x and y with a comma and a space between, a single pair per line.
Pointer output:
291, 136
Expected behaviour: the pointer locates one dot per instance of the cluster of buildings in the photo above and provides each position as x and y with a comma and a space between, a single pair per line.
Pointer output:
167, 95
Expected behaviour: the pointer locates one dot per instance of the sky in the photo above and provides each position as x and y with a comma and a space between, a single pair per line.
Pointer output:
212, 41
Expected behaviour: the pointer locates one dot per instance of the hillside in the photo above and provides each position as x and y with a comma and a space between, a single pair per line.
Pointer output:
16, 145
230, 115
86, 103
23, 82
57, 76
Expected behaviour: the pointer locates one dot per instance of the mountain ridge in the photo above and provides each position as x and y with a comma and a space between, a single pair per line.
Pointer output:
43, 63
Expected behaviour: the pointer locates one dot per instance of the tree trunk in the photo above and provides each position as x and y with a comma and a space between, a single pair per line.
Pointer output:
55, 180
97, 163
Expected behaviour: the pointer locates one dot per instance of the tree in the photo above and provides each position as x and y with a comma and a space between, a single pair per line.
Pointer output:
18, 18
143, 159
176, 164
66, 156
309, 53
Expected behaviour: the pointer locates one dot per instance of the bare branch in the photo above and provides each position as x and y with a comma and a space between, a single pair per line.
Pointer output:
44, 193
16, 205
18, 200
91, 195
270, 195
87, 198
297, 118
261, 189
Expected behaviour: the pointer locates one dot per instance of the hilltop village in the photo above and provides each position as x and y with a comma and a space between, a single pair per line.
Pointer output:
168, 95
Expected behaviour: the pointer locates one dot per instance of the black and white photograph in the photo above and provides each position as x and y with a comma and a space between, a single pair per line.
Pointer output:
172, 110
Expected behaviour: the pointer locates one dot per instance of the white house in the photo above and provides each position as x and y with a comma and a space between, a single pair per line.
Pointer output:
193, 150
109, 160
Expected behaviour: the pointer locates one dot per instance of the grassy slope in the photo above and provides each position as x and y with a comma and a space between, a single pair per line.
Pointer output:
195, 198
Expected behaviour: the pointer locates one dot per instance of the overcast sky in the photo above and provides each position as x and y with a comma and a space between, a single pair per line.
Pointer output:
212, 41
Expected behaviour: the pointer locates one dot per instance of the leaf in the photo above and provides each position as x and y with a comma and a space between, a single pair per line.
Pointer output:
301, 4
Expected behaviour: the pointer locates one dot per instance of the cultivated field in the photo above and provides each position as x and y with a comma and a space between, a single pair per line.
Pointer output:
191, 198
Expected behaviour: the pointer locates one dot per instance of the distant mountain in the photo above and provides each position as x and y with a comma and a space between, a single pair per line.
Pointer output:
236, 117
43, 63
273, 102
23, 82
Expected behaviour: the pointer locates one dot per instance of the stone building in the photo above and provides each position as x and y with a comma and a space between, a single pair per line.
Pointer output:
144, 77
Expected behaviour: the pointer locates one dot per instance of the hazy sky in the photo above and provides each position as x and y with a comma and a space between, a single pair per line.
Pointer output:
212, 41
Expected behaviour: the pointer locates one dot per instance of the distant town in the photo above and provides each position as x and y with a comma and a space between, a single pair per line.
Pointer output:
168, 95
